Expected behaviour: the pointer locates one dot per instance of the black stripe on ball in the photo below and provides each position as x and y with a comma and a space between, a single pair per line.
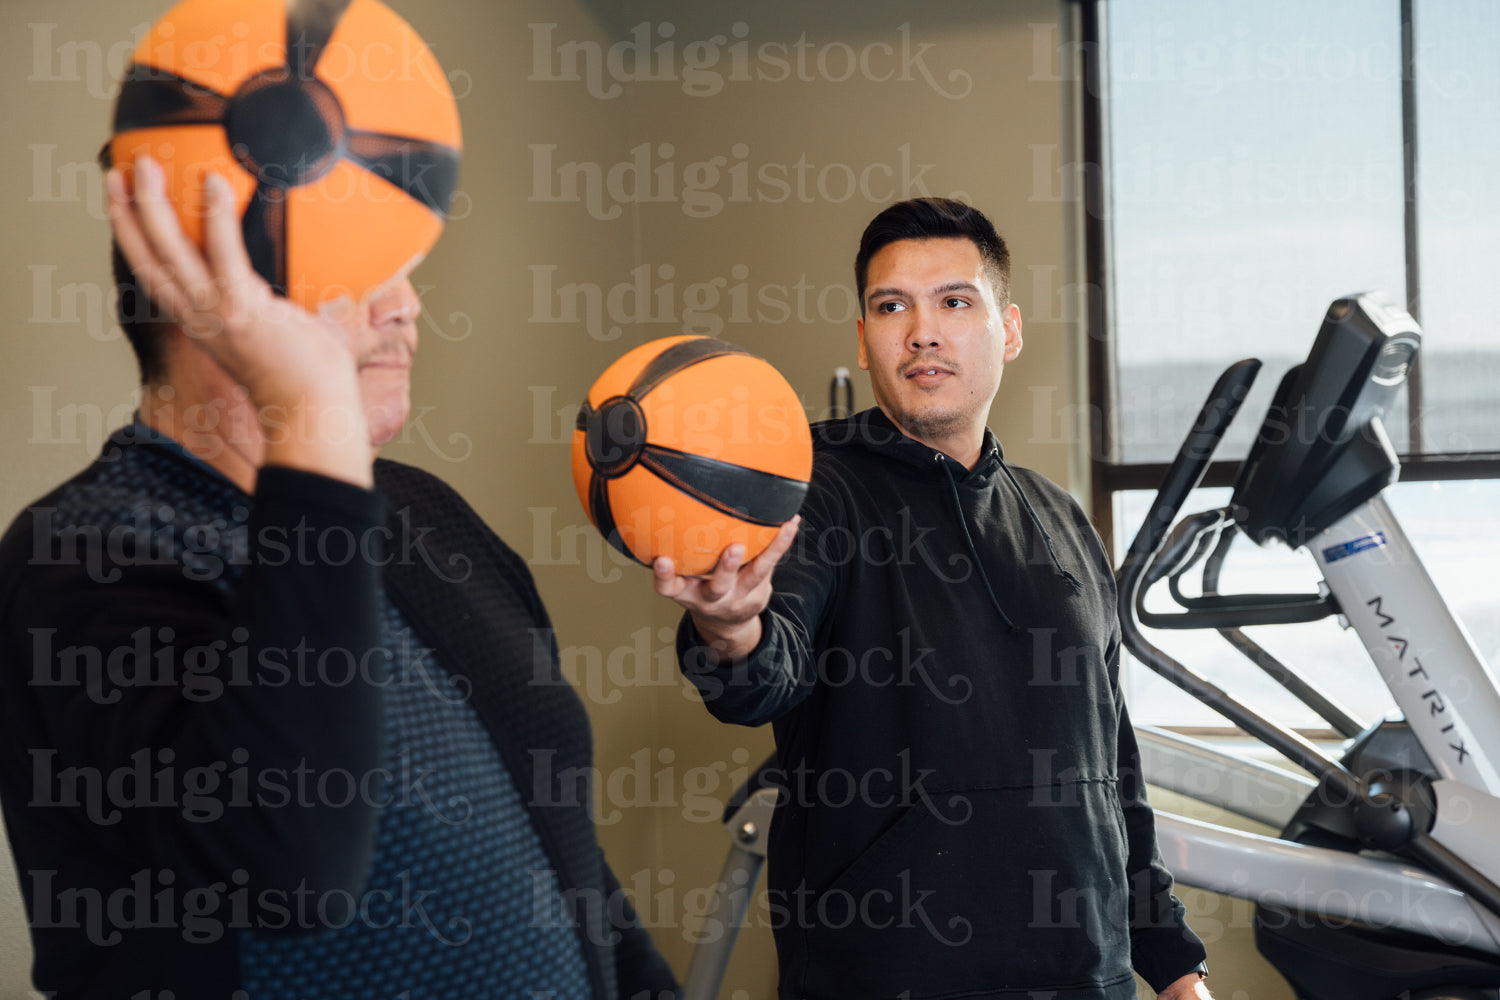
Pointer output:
749, 495
309, 26
604, 518
153, 98
674, 359
264, 228
425, 171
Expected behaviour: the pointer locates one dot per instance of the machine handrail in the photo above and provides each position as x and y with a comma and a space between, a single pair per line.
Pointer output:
1182, 477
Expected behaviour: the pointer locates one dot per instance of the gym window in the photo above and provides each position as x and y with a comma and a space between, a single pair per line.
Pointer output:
1245, 165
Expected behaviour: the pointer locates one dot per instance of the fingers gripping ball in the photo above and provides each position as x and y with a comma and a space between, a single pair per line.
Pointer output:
331, 120
686, 445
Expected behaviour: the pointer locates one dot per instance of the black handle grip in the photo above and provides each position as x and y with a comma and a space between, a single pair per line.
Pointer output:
1187, 469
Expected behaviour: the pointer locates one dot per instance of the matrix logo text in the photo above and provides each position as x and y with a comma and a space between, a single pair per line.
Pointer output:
702, 67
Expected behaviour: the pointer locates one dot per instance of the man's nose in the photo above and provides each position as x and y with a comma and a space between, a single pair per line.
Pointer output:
926, 329
395, 304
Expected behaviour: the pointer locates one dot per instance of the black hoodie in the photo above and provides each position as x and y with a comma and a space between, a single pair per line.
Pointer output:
961, 813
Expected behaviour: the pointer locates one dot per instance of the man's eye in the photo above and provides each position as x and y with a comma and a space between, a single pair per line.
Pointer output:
889, 307
953, 302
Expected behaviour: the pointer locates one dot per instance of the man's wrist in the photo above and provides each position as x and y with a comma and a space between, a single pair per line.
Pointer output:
731, 642
330, 439
1188, 987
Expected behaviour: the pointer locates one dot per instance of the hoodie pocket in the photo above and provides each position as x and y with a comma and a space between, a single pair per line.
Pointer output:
1027, 892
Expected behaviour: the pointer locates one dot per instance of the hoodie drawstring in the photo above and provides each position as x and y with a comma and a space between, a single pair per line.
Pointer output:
1046, 537
963, 520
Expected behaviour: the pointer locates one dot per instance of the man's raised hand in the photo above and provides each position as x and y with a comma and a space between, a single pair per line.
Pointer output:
298, 369
726, 603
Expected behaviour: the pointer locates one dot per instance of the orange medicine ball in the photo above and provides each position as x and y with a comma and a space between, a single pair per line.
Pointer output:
686, 445
331, 120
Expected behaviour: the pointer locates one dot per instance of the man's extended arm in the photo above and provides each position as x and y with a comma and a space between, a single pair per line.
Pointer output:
748, 640
725, 606
749, 657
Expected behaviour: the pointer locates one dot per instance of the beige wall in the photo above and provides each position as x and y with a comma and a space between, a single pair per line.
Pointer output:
978, 110
961, 122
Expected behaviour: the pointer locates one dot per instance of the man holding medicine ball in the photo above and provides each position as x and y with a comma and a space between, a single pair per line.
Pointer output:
268, 706
961, 810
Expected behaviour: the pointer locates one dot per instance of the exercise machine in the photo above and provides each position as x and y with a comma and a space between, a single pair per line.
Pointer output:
1382, 880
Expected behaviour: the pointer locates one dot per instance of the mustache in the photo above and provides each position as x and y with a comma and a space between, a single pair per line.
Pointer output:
929, 361
389, 349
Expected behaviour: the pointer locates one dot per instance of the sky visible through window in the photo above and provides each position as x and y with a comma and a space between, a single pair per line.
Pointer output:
1256, 175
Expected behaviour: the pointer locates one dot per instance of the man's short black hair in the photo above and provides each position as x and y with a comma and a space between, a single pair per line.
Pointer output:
930, 219
144, 326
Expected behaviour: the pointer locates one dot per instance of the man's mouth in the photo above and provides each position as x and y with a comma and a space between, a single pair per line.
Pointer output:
400, 361
388, 355
926, 374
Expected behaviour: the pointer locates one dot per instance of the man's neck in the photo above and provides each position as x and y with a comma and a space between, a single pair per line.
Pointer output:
965, 453
964, 447
224, 433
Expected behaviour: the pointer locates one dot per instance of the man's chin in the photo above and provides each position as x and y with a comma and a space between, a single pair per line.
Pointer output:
933, 423
385, 422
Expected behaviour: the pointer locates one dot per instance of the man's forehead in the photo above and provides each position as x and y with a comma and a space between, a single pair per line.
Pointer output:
955, 247
937, 263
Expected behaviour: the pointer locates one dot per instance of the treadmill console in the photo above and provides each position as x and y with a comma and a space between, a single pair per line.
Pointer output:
1323, 449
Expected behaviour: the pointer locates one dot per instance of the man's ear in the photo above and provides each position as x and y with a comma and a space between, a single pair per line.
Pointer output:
864, 357
1011, 317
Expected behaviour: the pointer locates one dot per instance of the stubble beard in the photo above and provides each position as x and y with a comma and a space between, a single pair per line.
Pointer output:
933, 423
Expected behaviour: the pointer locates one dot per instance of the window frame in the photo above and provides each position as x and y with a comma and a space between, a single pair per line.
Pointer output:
1108, 476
